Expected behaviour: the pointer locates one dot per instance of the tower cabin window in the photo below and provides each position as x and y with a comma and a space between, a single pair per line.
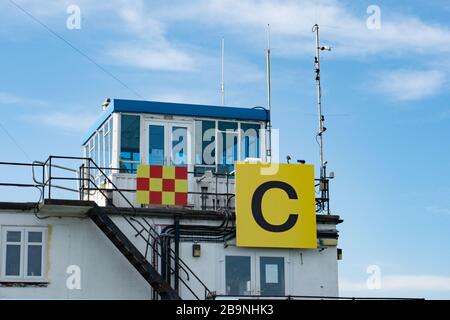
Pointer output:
223, 137
227, 147
99, 149
129, 143
205, 146
250, 140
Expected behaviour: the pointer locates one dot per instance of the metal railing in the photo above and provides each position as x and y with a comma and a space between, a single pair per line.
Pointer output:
86, 185
33, 183
219, 199
141, 226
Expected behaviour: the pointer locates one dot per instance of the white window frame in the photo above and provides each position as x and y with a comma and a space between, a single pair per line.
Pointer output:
168, 131
107, 137
24, 245
238, 133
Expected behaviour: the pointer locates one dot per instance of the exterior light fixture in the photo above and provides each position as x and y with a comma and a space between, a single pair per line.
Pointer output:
106, 103
339, 254
196, 250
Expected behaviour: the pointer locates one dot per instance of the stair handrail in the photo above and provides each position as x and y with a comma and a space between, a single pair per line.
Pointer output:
145, 240
154, 233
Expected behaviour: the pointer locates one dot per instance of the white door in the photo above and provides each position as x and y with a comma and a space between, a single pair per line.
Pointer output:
270, 274
167, 143
238, 276
246, 272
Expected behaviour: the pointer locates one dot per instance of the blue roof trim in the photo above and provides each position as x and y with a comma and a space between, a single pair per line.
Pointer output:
97, 124
193, 110
178, 109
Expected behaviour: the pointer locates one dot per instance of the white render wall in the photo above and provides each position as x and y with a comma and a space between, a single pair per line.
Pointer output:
106, 274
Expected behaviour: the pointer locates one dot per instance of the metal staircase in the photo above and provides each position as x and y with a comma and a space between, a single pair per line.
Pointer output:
161, 252
132, 254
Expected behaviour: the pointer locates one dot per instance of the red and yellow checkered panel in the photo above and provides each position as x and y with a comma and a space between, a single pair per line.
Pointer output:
165, 185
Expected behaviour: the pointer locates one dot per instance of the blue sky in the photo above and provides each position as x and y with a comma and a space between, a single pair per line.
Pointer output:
385, 97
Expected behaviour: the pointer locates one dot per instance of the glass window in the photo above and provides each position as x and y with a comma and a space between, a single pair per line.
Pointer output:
34, 248
250, 140
23, 253
110, 139
34, 266
205, 142
101, 153
179, 146
237, 275
34, 236
13, 236
107, 148
94, 153
90, 147
156, 145
12, 260
272, 276
227, 146
129, 142
86, 150
13, 253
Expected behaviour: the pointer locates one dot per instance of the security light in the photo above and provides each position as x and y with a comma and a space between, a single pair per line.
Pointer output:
106, 103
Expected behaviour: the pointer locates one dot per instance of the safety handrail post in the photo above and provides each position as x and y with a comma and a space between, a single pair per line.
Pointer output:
50, 177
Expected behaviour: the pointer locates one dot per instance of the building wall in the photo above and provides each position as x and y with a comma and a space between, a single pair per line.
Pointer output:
106, 274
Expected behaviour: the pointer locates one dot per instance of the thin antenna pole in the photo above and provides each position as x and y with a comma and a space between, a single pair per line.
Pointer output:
222, 83
319, 100
325, 204
269, 102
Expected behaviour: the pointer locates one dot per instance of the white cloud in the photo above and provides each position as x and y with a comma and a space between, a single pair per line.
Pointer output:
69, 122
151, 48
145, 40
146, 45
12, 99
291, 23
7, 98
410, 85
393, 283
151, 57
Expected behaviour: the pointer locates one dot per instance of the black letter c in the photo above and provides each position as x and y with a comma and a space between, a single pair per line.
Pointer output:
257, 201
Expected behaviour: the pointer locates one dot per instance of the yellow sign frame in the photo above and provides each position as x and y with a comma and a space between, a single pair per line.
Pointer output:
275, 205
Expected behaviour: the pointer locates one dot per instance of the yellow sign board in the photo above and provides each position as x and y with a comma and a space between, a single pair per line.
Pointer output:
275, 207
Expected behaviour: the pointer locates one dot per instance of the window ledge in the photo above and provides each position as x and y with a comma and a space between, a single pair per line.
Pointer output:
23, 284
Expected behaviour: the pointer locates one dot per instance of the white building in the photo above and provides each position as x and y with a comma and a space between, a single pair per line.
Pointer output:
87, 238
